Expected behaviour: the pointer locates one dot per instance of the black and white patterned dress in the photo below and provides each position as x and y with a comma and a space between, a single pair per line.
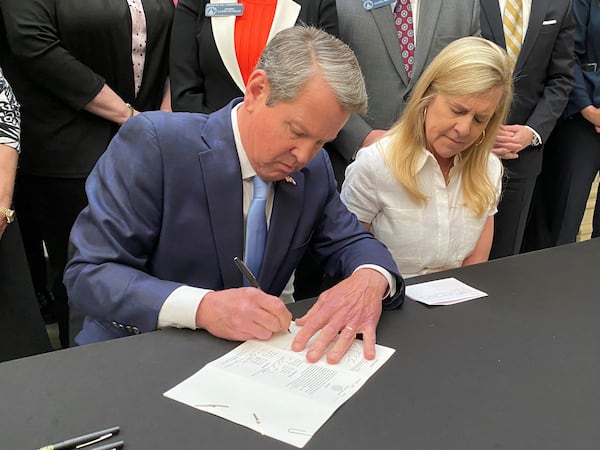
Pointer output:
10, 118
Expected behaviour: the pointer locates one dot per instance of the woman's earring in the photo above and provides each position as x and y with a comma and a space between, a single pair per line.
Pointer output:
482, 138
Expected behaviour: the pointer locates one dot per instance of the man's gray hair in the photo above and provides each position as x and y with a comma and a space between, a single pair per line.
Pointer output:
296, 54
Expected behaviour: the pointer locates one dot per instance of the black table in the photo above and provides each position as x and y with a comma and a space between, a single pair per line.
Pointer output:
519, 369
22, 331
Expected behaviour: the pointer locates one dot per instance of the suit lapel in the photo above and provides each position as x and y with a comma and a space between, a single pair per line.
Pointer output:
425, 35
284, 218
491, 10
223, 29
222, 177
538, 12
384, 19
286, 15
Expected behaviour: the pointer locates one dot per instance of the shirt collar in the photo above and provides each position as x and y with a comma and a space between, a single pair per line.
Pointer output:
247, 169
426, 155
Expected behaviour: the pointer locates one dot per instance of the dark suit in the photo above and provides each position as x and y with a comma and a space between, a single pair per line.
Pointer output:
165, 209
205, 75
572, 155
543, 78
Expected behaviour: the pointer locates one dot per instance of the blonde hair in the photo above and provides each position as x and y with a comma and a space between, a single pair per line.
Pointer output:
465, 67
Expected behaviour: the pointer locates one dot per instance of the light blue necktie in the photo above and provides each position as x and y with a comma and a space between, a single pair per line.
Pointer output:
256, 227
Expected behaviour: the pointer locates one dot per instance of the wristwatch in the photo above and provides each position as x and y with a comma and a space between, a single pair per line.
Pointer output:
535, 140
8, 213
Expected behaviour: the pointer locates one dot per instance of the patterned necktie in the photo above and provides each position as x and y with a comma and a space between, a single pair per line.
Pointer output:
512, 21
256, 227
403, 19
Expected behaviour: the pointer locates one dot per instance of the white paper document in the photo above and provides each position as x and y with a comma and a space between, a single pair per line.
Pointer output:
446, 291
265, 386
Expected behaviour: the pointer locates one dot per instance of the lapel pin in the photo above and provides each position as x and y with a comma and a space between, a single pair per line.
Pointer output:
290, 180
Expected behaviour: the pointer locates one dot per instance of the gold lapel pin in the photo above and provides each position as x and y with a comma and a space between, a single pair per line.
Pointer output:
290, 180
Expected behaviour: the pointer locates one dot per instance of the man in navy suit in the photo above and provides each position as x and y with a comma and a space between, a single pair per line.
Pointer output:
572, 158
543, 79
169, 198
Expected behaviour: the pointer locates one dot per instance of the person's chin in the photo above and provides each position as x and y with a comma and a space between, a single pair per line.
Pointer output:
452, 150
275, 175
283, 170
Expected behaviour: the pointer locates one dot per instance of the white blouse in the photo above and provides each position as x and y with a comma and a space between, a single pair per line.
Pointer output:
422, 237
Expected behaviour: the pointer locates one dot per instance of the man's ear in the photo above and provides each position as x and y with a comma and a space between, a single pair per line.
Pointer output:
257, 89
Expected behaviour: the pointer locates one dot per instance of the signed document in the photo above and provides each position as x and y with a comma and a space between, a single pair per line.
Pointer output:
265, 386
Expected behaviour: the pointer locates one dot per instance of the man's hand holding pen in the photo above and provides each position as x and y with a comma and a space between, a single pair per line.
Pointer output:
351, 307
243, 313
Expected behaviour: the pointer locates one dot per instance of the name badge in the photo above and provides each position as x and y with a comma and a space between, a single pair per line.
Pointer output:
374, 4
223, 9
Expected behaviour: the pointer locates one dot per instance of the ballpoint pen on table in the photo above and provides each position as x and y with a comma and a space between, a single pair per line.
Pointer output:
84, 440
110, 446
246, 272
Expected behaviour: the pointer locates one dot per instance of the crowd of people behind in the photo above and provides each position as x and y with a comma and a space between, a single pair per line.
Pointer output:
444, 165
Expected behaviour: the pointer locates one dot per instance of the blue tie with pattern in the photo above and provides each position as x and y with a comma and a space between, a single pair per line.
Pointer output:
256, 227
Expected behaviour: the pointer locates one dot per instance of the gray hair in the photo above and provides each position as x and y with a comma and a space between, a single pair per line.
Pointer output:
296, 54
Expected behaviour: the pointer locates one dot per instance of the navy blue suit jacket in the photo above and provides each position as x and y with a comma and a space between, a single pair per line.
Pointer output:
586, 90
165, 210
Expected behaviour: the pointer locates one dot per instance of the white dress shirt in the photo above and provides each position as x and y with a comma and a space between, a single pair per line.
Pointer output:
422, 237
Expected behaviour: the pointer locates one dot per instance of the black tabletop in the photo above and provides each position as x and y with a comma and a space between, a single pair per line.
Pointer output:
519, 369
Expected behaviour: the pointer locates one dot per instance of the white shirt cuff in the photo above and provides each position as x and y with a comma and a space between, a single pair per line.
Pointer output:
536, 134
388, 276
179, 309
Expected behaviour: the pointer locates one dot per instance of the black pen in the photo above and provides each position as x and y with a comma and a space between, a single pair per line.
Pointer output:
248, 274
110, 446
82, 441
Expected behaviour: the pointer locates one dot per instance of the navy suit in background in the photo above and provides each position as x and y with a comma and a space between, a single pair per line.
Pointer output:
165, 210
572, 154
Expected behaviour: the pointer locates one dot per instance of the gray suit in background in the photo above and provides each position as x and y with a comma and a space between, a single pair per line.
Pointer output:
372, 35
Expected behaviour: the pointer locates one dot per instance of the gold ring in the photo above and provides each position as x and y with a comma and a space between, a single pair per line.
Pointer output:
348, 327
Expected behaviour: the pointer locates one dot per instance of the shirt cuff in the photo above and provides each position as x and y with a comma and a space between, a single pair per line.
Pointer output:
388, 276
537, 139
179, 309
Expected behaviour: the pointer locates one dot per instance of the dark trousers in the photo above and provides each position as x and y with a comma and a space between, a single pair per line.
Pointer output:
34, 250
22, 331
49, 206
511, 218
571, 162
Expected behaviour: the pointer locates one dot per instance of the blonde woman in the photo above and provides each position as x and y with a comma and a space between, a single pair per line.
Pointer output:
429, 188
